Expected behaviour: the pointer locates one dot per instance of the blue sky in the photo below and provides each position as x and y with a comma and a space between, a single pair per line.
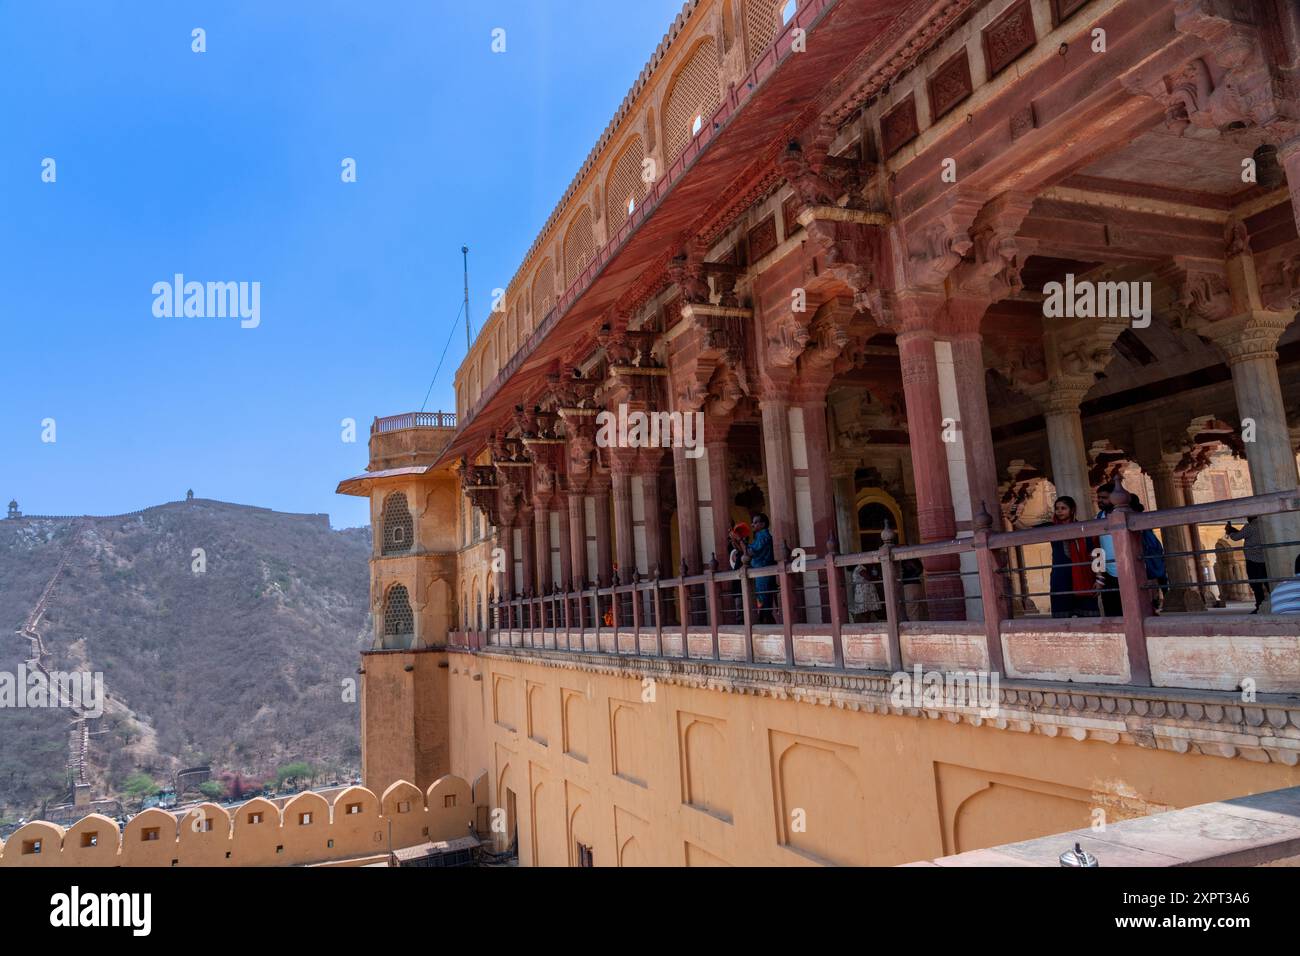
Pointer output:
225, 166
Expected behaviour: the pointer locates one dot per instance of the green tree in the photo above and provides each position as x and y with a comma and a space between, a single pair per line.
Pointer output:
140, 785
294, 774
212, 789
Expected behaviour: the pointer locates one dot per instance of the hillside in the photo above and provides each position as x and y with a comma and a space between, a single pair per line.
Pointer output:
241, 665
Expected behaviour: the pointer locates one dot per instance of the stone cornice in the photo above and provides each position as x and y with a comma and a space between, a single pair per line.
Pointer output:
1181, 721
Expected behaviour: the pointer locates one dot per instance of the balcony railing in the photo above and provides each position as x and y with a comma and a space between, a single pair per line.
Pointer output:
814, 613
395, 423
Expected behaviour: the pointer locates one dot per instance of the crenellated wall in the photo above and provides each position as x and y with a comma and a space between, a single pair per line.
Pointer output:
309, 829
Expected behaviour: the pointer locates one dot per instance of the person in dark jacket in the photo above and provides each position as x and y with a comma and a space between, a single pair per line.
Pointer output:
1073, 584
1153, 555
761, 555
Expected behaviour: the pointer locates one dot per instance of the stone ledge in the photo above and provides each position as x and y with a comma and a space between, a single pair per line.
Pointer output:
1214, 723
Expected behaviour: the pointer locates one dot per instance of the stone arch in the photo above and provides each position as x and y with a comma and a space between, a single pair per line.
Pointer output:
307, 809
150, 839
352, 795
488, 362
542, 292
704, 754
355, 826
693, 93
624, 184
578, 833
547, 825
579, 245
814, 778
94, 840
476, 590
630, 854
34, 844
396, 524
399, 618
450, 808
997, 813
870, 505
204, 836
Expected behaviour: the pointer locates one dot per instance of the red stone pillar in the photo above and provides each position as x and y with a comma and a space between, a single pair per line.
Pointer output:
976, 430
526, 533
565, 543
603, 533
542, 544
624, 545
653, 527
577, 530
820, 482
688, 510
778, 465
934, 513
720, 495
506, 577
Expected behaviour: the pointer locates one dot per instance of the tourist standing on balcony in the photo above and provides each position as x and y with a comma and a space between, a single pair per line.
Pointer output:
1107, 581
1072, 585
866, 600
762, 555
1153, 556
1256, 566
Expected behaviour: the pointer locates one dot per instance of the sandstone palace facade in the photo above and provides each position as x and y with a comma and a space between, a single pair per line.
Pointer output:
916, 268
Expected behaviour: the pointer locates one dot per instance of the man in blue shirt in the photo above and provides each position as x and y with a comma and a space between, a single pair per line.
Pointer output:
1108, 582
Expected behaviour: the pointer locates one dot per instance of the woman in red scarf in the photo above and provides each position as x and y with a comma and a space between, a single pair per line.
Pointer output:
1073, 583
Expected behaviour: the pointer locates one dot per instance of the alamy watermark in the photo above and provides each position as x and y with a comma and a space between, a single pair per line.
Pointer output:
638, 429
79, 690
954, 690
1098, 300
211, 300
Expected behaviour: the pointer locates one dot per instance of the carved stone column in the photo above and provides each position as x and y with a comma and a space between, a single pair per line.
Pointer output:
720, 495
1182, 571
934, 511
601, 496
577, 530
528, 555
1227, 307
1069, 453
688, 509
624, 545
778, 466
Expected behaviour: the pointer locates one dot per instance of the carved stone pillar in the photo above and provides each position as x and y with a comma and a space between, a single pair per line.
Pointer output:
973, 408
1182, 571
720, 495
624, 544
542, 545
817, 461
1066, 444
528, 555
686, 481
601, 496
778, 466
846, 515
577, 530
934, 511
566, 541
650, 509
506, 577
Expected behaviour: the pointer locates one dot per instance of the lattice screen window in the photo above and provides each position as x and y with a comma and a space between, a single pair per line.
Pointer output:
624, 184
543, 292
694, 95
762, 20
578, 245
399, 619
398, 528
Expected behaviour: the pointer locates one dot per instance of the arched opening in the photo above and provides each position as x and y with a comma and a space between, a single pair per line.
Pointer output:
399, 619
396, 524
